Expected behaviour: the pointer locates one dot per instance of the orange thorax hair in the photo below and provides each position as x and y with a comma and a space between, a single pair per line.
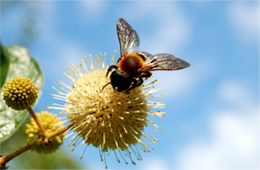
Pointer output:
130, 64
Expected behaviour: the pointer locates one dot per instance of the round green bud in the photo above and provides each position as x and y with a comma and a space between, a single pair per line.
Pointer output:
50, 123
19, 93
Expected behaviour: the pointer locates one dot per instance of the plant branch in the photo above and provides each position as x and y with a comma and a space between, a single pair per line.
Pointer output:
58, 132
6, 158
36, 120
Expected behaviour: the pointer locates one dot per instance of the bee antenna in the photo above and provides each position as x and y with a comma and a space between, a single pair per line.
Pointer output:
105, 86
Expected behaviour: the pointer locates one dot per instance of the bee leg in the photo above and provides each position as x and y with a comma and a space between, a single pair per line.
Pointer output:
146, 74
139, 82
133, 85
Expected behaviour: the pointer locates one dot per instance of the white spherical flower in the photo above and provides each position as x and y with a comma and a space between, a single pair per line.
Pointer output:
109, 120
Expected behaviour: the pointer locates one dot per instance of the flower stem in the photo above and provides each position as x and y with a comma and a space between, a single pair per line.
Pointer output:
58, 132
36, 120
6, 158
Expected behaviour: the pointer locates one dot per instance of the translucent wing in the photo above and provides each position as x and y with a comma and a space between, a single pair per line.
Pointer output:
128, 38
163, 62
144, 55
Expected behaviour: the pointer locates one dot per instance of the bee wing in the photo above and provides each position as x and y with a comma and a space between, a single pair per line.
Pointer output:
144, 55
163, 62
128, 37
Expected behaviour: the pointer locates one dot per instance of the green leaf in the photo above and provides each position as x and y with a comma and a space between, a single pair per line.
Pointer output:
20, 65
4, 63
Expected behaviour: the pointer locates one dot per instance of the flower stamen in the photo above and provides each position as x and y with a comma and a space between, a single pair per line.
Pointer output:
83, 153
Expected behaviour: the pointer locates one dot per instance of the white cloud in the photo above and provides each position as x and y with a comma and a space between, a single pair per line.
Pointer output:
245, 18
234, 135
234, 93
234, 145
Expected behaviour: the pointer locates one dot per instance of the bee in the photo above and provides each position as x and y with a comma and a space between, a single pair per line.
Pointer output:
134, 66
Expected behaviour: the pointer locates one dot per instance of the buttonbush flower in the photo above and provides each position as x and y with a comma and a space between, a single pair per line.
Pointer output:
19, 93
35, 136
109, 120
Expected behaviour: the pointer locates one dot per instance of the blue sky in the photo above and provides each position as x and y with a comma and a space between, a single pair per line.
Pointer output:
212, 108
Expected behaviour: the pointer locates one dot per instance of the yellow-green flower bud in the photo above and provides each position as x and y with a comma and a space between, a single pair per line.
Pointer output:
50, 123
19, 93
